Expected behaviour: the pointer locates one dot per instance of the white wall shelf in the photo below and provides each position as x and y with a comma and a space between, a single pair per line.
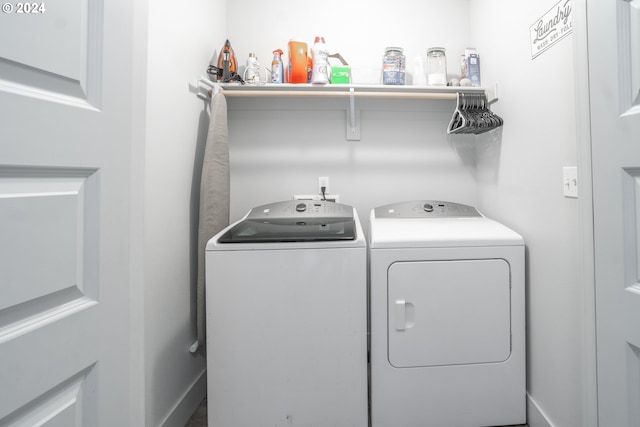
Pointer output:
351, 91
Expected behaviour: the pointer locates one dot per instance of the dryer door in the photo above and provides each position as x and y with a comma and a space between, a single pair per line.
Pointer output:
449, 312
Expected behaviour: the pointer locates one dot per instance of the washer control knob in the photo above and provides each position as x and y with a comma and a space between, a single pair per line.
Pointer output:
428, 207
301, 207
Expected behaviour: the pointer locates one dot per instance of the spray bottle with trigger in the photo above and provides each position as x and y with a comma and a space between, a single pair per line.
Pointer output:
277, 69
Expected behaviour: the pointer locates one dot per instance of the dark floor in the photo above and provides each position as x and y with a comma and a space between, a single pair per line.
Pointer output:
199, 418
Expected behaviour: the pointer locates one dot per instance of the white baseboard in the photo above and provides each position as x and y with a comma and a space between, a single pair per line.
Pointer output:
536, 416
183, 410
186, 406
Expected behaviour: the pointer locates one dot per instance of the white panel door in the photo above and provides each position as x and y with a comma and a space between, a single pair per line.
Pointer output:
65, 143
614, 68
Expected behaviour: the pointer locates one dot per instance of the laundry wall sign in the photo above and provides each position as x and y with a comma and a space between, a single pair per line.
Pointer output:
552, 27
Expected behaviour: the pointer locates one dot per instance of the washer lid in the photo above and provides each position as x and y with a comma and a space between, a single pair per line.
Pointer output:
426, 209
294, 221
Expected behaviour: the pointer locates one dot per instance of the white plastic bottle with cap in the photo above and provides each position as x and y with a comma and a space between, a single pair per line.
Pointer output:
252, 70
320, 54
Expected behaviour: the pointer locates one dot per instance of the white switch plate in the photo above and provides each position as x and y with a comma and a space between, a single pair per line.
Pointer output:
570, 181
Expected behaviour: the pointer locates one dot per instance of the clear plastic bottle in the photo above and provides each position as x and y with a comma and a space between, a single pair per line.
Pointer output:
277, 70
320, 74
419, 73
393, 66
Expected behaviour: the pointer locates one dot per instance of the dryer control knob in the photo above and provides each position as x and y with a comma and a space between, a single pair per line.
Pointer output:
301, 207
428, 207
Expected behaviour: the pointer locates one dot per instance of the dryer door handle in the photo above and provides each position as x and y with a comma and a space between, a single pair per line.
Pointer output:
401, 315
404, 314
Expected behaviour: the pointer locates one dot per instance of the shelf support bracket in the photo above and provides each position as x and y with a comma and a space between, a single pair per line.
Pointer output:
353, 118
493, 95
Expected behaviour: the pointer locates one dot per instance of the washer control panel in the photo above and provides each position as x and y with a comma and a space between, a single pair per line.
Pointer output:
426, 209
302, 209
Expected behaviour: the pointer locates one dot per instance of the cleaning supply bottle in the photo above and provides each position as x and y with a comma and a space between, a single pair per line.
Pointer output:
296, 71
277, 69
252, 70
227, 62
320, 56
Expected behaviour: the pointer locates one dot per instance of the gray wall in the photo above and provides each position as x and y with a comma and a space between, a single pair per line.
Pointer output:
280, 147
520, 184
404, 153
181, 41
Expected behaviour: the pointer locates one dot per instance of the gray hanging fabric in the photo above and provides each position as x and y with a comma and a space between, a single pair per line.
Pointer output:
214, 198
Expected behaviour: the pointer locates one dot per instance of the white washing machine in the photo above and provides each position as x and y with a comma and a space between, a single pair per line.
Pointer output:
287, 318
447, 317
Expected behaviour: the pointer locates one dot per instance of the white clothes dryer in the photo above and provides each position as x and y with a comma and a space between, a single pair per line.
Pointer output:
447, 317
287, 318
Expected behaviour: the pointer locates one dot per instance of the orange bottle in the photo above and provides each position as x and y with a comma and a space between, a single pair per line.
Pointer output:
297, 69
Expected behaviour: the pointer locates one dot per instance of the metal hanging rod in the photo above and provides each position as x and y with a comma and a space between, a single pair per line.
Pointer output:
205, 88
337, 94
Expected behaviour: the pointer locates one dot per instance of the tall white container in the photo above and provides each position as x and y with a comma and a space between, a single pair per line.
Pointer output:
320, 54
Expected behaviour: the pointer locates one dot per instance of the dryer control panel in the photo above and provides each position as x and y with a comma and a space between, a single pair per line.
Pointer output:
426, 209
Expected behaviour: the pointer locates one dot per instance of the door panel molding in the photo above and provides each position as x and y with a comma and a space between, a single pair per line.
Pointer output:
56, 55
68, 404
39, 314
633, 373
629, 56
631, 226
50, 270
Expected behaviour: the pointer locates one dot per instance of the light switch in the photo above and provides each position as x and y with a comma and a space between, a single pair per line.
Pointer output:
570, 181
